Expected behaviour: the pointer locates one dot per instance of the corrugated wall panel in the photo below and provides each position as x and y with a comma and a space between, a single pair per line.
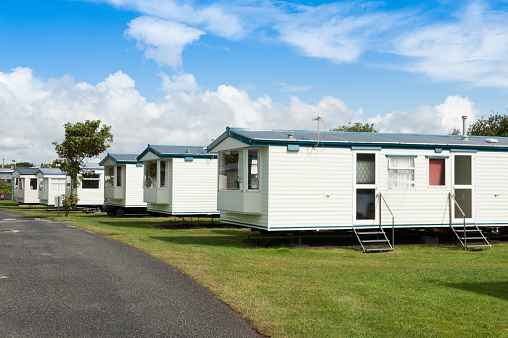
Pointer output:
133, 186
194, 186
491, 187
311, 188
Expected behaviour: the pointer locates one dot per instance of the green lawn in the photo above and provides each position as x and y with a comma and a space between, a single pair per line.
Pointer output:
440, 291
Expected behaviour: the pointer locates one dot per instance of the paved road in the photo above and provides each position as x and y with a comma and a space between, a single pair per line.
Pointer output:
57, 280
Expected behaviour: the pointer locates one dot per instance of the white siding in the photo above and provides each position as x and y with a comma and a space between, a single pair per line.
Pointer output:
310, 189
194, 186
491, 185
133, 185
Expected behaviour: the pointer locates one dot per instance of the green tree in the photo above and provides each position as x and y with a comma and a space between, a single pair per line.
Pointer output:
494, 125
454, 131
357, 127
53, 164
5, 186
82, 140
24, 165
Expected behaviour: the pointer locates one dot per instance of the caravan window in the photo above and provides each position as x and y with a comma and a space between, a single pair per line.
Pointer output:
109, 175
118, 176
230, 168
437, 172
90, 181
401, 172
151, 174
253, 169
163, 177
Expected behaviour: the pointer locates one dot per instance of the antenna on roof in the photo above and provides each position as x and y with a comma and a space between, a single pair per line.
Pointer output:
319, 119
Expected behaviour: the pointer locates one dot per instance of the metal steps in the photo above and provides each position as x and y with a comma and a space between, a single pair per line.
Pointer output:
470, 236
373, 240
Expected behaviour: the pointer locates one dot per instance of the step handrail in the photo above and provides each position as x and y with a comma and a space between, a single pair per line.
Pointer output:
381, 197
452, 197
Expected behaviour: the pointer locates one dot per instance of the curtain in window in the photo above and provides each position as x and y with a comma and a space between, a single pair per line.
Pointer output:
366, 169
401, 172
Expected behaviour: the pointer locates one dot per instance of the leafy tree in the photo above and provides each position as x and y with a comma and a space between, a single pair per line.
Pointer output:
357, 127
454, 131
53, 164
5, 186
82, 140
494, 125
24, 165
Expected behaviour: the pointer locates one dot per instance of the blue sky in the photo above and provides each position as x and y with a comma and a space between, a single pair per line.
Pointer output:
169, 72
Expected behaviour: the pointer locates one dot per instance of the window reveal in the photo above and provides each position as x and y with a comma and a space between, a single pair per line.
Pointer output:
118, 176
401, 172
162, 175
230, 170
151, 174
437, 172
109, 176
253, 167
91, 181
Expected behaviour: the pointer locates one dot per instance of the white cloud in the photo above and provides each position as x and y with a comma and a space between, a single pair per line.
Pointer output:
471, 48
178, 83
215, 18
162, 41
34, 112
426, 119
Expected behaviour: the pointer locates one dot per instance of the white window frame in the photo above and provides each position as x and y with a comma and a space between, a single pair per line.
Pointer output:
258, 168
374, 186
119, 168
393, 170
444, 158
146, 168
471, 186
109, 176
98, 179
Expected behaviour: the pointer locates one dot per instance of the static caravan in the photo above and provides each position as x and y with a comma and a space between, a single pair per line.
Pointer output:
123, 184
180, 180
304, 180
91, 188
51, 185
25, 185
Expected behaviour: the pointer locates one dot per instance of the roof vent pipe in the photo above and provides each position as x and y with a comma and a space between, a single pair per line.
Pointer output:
464, 128
290, 137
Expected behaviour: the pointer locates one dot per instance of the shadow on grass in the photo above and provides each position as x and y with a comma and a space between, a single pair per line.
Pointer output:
494, 289
225, 238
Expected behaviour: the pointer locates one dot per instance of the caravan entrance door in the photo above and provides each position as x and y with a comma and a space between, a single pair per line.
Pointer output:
463, 186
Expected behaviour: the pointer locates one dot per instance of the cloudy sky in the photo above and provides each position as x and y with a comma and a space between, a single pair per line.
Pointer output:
179, 72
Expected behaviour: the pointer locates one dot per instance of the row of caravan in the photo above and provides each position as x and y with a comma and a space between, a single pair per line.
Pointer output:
277, 180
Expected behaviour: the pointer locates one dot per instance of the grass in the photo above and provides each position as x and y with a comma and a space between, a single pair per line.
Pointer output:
426, 291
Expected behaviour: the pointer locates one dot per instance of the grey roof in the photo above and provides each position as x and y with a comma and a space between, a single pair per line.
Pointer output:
50, 171
120, 158
335, 138
177, 151
27, 171
92, 166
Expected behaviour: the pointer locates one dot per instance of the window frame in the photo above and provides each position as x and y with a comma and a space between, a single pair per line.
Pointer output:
239, 173
365, 186
109, 176
119, 176
91, 178
392, 170
445, 164
148, 166
249, 166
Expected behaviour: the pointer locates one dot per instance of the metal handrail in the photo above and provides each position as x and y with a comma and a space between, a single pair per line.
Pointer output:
452, 197
381, 197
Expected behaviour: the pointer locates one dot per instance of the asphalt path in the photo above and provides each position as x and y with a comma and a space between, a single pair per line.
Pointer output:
58, 280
